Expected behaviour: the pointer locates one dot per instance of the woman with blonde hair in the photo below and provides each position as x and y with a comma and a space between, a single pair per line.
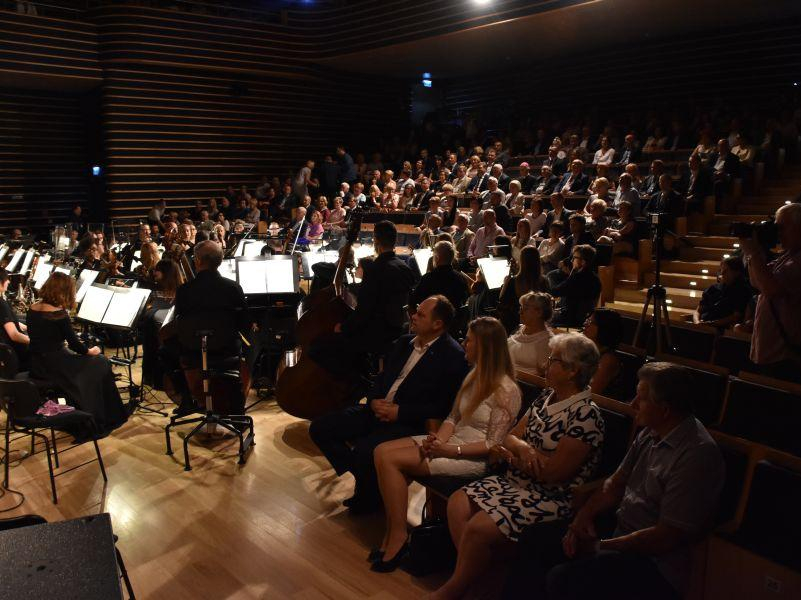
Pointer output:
148, 257
484, 410
554, 448
84, 374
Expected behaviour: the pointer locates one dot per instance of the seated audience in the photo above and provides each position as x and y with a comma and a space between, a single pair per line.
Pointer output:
552, 249
723, 304
462, 237
442, 279
621, 232
605, 328
598, 219
699, 185
579, 291
485, 408
558, 212
663, 498
422, 373
484, 237
626, 193
544, 184
665, 201
536, 216
725, 168
575, 182
515, 201
528, 278
528, 346
522, 238
475, 218
57, 355
527, 181
555, 447
650, 184
605, 154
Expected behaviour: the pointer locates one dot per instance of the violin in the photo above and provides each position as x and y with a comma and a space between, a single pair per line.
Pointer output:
307, 390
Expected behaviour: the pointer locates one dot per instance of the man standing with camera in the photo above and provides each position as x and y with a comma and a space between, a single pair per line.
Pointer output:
776, 340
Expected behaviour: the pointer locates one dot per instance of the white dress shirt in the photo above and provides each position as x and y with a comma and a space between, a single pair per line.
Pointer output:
418, 351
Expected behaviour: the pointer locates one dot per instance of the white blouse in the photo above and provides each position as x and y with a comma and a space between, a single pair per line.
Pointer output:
604, 158
530, 352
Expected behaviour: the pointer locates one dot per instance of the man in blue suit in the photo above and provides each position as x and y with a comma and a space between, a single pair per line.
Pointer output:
421, 377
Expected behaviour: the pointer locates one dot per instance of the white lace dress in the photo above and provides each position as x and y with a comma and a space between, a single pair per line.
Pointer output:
489, 423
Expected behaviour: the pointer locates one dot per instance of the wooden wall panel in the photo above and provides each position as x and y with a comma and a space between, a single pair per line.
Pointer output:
42, 152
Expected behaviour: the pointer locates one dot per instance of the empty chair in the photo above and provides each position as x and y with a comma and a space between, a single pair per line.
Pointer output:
692, 341
734, 353
710, 385
771, 527
763, 414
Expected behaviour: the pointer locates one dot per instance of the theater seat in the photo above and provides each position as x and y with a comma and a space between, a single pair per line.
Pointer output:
624, 387
771, 527
763, 414
617, 436
733, 352
710, 386
693, 341
736, 461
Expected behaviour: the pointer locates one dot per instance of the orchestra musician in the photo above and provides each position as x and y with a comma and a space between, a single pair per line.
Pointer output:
379, 317
84, 374
12, 332
208, 293
166, 278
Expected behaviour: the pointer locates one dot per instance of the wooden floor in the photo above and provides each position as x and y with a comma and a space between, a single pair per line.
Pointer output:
273, 528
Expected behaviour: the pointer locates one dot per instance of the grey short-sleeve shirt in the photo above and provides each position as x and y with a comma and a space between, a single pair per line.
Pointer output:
676, 481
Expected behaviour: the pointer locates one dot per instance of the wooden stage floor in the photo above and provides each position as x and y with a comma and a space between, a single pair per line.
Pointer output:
273, 528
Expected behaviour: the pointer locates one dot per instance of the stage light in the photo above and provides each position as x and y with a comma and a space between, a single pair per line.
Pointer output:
427, 83
426, 75
96, 170
482, 2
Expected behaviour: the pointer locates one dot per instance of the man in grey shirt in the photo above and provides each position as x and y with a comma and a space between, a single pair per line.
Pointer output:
665, 493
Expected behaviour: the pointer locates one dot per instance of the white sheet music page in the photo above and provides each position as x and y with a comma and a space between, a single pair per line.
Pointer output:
94, 304
495, 271
123, 308
252, 276
280, 277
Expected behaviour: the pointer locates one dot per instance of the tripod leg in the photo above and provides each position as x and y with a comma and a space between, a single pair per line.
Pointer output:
198, 427
658, 323
667, 328
643, 316
167, 435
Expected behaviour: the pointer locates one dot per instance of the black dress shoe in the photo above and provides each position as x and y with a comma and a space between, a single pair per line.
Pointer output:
184, 409
375, 555
387, 566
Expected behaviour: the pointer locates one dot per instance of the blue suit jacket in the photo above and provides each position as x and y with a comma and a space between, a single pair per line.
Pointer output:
430, 388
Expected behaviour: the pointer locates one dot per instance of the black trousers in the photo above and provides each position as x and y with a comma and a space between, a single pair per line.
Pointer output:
543, 571
348, 437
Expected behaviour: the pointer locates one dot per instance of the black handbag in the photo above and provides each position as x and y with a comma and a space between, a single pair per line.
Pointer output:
430, 549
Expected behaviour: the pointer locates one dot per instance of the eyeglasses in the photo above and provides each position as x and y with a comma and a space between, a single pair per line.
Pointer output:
552, 359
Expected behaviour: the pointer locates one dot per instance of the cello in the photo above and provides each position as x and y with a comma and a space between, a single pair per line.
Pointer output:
307, 390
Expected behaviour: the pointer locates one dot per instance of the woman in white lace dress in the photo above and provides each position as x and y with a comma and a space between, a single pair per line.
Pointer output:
482, 415
552, 449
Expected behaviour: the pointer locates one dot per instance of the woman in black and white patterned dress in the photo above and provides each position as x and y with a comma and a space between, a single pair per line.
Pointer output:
554, 448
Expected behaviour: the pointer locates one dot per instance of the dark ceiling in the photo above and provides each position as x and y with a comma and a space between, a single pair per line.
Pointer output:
575, 30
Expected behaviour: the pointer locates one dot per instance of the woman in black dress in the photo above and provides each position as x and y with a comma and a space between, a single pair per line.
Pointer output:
84, 374
12, 332
167, 279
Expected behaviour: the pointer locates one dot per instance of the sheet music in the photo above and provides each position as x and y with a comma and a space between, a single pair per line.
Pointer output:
63, 270
252, 276
15, 260
495, 271
421, 257
3, 251
41, 274
28, 260
363, 250
169, 318
228, 269
310, 259
94, 304
124, 307
85, 281
280, 277
253, 247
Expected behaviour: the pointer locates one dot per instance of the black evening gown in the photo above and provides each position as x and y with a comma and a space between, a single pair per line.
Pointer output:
87, 381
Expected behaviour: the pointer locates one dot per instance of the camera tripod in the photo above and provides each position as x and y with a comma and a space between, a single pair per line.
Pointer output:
656, 297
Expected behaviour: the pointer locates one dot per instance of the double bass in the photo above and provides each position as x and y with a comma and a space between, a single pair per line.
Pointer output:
307, 390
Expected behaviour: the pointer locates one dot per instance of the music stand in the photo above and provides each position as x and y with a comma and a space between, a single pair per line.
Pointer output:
3, 251
85, 281
15, 260
41, 274
267, 275
421, 257
494, 270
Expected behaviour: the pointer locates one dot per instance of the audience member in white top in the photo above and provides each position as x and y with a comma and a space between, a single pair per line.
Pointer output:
605, 154
483, 413
485, 236
515, 200
552, 249
528, 346
537, 216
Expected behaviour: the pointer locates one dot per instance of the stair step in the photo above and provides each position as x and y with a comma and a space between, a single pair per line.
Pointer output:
713, 241
635, 309
703, 253
723, 218
687, 281
676, 297
699, 267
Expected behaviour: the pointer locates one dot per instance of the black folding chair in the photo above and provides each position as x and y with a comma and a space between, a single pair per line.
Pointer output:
20, 400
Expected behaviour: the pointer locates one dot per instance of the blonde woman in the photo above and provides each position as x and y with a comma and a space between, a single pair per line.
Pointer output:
482, 414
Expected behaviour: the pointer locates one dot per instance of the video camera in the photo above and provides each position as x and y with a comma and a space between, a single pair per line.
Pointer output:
767, 234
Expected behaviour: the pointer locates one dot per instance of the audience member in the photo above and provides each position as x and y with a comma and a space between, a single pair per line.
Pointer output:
552, 248
421, 376
537, 216
723, 304
484, 410
528, 346
528, 278
605, 327
579, 291
12, 332
484, 236
552, 449
442, 279
575, 182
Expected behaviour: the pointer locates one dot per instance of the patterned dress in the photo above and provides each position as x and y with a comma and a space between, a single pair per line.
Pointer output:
514, 500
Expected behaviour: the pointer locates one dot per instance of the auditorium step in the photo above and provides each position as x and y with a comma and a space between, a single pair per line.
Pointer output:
699, 267
676, 297
635, 309
704, 253
713, 241
684, 280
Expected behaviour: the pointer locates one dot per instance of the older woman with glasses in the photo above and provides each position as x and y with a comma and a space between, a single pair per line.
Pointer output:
528, 346
554, 448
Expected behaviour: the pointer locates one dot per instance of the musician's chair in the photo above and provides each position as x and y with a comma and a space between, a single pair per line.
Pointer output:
220, 380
